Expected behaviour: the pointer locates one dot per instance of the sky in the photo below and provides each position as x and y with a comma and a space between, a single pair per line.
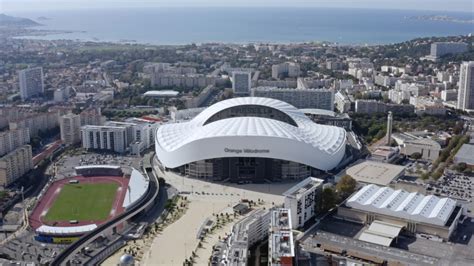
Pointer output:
439, 5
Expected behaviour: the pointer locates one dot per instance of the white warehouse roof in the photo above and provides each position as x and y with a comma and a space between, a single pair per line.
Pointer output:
403, 204
205, 137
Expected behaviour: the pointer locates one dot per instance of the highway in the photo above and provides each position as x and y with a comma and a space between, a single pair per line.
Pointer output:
149, 199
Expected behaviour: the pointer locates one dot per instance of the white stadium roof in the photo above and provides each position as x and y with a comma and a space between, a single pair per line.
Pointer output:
70, 230
319, 146
400, 203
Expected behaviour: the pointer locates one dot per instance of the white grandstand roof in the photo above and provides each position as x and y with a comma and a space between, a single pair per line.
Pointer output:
97, 166
58, 230
137, 186
163, 93
329, 141
403, 204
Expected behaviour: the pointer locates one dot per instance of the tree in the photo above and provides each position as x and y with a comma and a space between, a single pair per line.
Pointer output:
328, 199
346, 186
416, 156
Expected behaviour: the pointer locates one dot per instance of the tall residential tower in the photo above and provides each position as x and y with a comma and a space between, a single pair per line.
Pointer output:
466, 86
31, 82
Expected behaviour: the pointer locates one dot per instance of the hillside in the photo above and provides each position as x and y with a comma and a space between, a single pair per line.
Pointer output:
9, 21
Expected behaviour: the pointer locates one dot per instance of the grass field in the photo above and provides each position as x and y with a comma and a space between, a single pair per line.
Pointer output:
83, 202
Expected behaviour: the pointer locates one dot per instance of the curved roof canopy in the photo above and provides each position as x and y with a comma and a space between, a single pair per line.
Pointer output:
251, 127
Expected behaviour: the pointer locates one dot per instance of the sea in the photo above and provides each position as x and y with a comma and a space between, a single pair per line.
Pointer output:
174, 26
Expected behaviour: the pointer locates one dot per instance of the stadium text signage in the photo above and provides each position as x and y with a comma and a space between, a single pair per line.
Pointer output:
239, 151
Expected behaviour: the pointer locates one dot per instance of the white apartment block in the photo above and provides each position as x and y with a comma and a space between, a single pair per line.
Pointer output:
342, 102
241, 83
287, 69
466, 86
70, 126
12, 139
281, 248
246, 233
31, 82
300, 98
442, 48
92, 116
15, 164
110, 138
143, 135
304, 200
36, 122
449, 95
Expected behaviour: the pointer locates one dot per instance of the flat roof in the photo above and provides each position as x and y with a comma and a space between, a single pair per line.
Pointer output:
381, 233
303, 186
465, 154
375, 172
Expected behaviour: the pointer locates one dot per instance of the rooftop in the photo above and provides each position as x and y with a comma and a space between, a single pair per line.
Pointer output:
299, 189
403, 204
375, 172
465, 154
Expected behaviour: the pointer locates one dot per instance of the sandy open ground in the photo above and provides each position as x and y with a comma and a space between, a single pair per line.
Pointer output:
177, 241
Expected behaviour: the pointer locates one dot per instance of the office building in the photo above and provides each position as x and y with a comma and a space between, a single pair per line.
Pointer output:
12, 139
304, 200
15, 164
300, 98
241, 83
281, 248
70, 126
31, 82
466, 86
285, 70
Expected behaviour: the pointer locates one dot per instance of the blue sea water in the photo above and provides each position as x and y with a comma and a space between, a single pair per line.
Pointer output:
244, 25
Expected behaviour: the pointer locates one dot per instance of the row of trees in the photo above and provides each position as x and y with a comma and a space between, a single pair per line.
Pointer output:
334, 195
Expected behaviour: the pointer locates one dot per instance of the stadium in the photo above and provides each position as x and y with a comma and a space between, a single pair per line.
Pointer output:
73, 206
250, 138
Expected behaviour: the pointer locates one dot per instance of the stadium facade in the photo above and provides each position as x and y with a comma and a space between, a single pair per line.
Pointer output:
250, 138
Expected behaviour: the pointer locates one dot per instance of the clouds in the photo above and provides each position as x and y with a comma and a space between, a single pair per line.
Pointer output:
441, 5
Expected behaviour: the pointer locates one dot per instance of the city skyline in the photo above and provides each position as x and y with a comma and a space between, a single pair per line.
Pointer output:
428, 5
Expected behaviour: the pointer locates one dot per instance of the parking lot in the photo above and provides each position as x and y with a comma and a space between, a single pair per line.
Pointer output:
453, 185
64, 167
25, 248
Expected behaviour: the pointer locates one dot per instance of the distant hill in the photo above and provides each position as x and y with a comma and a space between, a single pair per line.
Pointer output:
9, 21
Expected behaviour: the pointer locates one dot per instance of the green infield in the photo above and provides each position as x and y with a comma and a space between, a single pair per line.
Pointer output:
83, 202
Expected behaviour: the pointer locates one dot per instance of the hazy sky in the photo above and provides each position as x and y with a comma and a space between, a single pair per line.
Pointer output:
441, 5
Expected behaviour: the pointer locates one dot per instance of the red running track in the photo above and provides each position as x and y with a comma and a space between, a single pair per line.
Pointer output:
36, 217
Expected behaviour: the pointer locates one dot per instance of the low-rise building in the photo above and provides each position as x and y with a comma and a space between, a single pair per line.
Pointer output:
465, 155
385, 154
402, 210
372, 172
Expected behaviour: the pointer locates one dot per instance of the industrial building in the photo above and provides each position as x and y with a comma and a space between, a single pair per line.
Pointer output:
398, 210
